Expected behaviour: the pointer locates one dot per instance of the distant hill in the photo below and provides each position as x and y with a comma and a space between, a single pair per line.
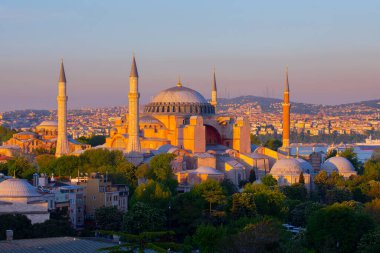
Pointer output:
275, 105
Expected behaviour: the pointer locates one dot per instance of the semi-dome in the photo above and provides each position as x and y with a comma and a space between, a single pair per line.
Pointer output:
147, 119
49, 123
16, 188
179, 100
286, 166
338, 164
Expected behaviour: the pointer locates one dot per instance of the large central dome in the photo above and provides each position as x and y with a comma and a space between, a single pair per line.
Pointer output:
179, 100
179, 94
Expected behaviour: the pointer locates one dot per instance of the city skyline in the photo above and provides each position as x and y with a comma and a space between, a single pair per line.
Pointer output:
331, 55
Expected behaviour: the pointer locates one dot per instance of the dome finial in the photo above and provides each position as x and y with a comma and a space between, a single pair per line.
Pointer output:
179, 84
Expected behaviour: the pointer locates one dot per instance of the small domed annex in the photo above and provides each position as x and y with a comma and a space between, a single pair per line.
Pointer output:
179, 100
14, 188
286, 166
338, 164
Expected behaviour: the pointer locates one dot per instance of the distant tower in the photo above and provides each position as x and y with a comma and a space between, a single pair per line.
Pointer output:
214, 95
286, 114
133, 116
62, 147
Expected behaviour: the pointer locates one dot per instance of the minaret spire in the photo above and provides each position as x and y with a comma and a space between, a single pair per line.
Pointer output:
134, 72
286, 113
62, 147
214, 92
133, 116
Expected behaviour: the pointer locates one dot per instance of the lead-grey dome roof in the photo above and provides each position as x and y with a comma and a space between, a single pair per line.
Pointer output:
338, 164
286, 166
179, 94
15, 187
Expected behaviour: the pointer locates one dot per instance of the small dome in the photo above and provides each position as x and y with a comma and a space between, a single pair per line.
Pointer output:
48, 123
17, 188
286, 166
207, 170
306, 167
179, 94
338, 164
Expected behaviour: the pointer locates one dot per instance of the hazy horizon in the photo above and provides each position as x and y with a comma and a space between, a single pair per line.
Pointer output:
332, 50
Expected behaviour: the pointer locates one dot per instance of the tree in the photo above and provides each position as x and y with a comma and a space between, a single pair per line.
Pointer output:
301, 179
337, 195
252, 175
94, 140
299, 215
228, 187
108, 218
185, 213
372, 170
373, 209
273, 144
337, 228
255, 140
142, 218
160, 242
211, 191
19, 223
21, 167
267, 201
67, 165
331, 153
295, 191
128, 170
153, 192
208, 237
161, 167
243, 204
263, 236
370, 242
5, 134
269, 180
350, 155
46, 163
53, 228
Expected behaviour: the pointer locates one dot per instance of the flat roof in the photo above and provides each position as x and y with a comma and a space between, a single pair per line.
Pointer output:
54, 245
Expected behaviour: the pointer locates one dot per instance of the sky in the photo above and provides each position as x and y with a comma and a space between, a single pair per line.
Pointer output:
332, 49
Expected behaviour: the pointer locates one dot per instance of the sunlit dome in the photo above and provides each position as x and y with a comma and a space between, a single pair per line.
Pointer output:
179, 94
179, 100
16, 188
338, 164
286, 166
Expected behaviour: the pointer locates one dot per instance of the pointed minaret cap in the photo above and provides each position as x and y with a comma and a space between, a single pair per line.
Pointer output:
286, 80
134, 68
214, 82
62, 76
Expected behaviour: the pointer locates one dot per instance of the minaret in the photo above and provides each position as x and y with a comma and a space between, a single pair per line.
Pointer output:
214, 96
133, 116
62, 147
286, 114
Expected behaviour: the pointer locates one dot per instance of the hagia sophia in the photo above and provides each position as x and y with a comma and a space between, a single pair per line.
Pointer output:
181, 121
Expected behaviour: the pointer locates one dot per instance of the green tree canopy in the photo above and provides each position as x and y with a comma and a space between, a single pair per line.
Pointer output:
108, 218
337, 228
268, 180
273, 144
243, 204
153, 192
208, 237
143, 218
211, 191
